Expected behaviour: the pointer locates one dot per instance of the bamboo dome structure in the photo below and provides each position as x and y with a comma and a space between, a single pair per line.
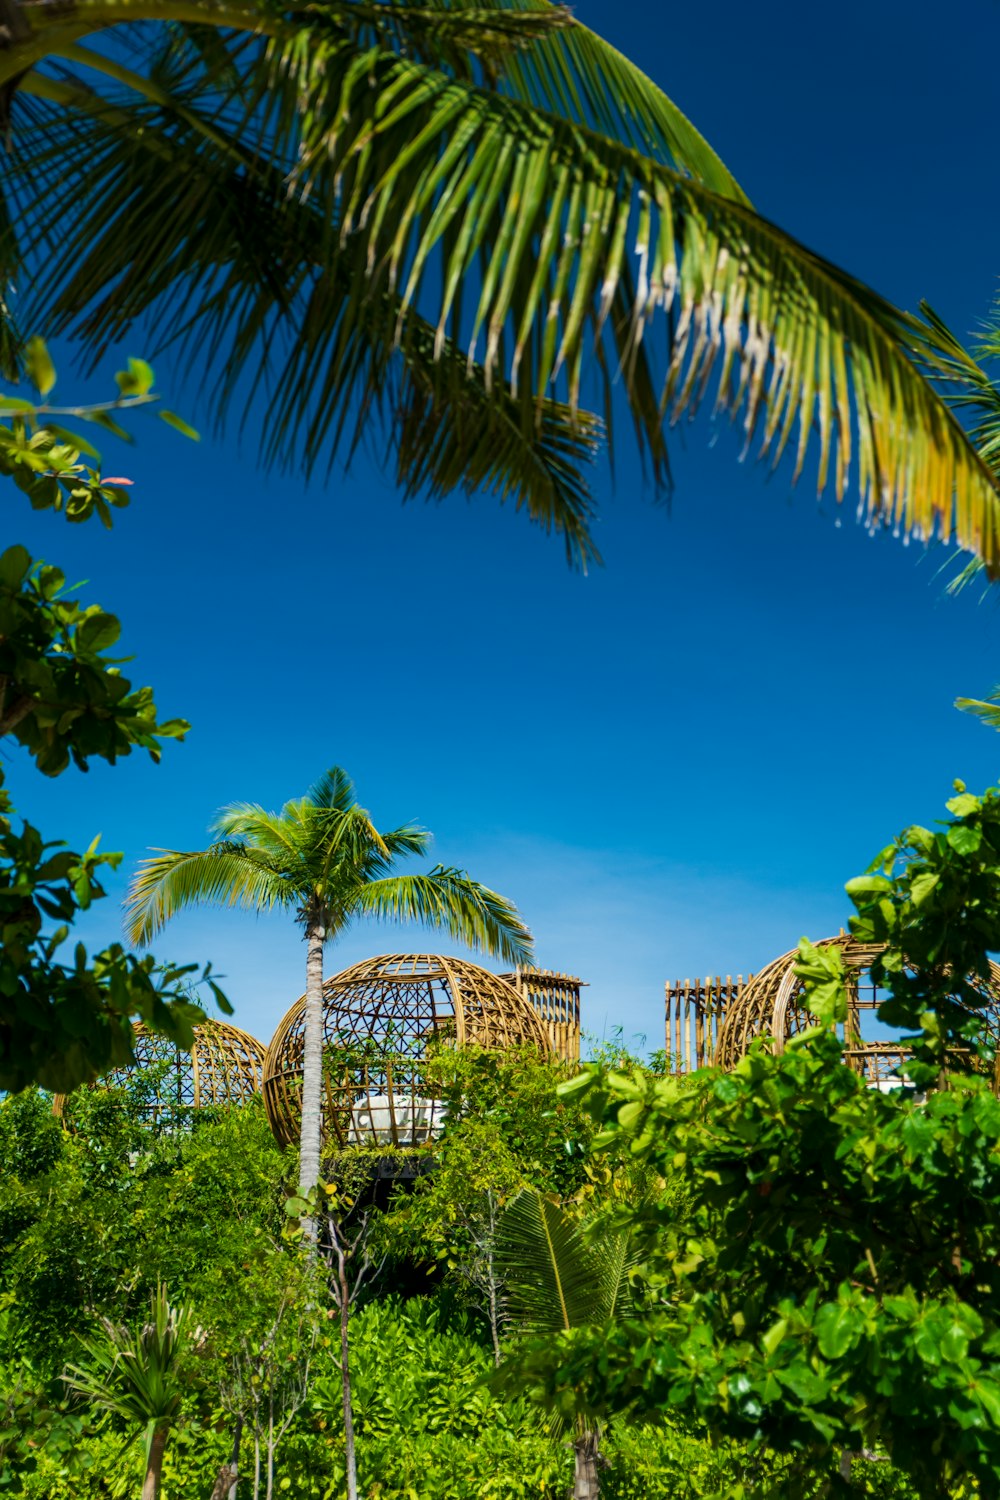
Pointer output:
382, 1020
224, 1067
771, 1006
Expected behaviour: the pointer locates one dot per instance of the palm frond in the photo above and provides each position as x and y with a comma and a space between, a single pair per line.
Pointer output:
226, 874
582, 78
987, 710
445, 186
264, 304
334, 790
451, 900
966, 385
555, 1279
510, 230
410, 839
286, 840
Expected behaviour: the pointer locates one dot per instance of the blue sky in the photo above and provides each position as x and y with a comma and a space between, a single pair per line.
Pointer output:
673, 764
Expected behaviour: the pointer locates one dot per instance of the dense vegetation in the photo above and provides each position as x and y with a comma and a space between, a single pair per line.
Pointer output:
94, 1219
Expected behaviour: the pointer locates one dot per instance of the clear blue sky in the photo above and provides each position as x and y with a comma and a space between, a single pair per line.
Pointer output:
672, 765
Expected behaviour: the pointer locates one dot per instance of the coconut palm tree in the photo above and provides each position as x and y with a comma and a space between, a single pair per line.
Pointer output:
437, 216
323, 857
557, 1280
135, 1373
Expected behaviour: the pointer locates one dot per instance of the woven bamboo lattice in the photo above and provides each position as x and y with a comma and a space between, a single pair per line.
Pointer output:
696, 1009
771, 1005
224, 1067
381, 1020
555, 998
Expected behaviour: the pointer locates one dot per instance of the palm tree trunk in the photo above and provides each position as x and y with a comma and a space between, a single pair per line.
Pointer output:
344, 1300
312, 1071
154, 1464
586, 1481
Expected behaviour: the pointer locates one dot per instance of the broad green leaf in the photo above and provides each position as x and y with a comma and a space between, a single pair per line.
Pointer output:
98, 632
964, 805
965, 840
137, 380
38, 363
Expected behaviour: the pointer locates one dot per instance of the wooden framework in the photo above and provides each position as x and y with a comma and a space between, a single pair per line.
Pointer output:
771, 1006
381, 1020
555, 998
696, 1009
224, 1067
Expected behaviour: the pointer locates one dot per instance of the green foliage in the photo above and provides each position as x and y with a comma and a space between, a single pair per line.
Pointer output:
64, 1020
139, 1373
558, 1278
44, 459
92, 1221
827, 1276
62, 696
932, 899
513, 1092
624, 246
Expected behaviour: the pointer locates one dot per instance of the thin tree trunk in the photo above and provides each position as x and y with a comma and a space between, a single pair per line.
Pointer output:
586, 1481
256, 1465
491, 1279
350, 1455
269, 1492
237, 1435
154, 1464
312, 1071
225, 1484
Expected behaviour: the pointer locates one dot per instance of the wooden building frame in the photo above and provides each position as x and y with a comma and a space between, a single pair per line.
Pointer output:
696, 1009
555, 998
223, 1068
382, 1019
716, 1020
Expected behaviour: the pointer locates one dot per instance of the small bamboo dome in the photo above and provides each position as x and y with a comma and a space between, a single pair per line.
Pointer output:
381, 1020
771, 1005
224, 1067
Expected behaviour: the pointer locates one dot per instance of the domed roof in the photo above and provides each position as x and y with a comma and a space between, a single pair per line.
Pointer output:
224, 1067
379, 1018
771, 1006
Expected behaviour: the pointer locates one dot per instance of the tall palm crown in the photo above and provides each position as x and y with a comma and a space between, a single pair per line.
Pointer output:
323, 857
439, 216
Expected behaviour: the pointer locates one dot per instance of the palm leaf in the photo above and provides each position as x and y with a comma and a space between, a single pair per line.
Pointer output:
223, 875
427, 183
451, 900
987, 710
264, 304
555, 1279
334, 789
424, 174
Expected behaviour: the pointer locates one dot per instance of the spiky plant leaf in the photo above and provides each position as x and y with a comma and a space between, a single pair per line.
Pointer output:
557, 1280
223, 875
987, 710
135, 1372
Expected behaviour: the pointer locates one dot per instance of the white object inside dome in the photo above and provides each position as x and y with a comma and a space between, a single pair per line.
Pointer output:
417, 1120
